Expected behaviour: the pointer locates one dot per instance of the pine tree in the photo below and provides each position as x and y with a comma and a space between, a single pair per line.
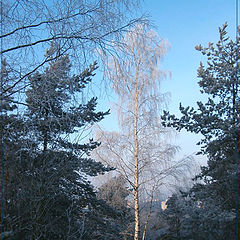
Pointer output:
218, 121
48, 170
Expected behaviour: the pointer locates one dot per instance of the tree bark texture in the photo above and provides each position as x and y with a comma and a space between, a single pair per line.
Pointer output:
136, 162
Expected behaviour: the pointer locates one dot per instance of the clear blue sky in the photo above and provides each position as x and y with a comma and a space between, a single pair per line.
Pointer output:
186, 23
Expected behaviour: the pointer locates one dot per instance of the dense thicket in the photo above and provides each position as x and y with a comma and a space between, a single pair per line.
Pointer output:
210, 210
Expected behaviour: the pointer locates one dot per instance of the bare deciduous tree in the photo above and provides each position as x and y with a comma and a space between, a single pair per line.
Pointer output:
140, 152
78, 27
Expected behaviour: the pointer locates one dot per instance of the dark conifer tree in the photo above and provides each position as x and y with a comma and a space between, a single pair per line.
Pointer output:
47, 194
218, 121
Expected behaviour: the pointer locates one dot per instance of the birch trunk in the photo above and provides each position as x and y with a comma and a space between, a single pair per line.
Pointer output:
136, 172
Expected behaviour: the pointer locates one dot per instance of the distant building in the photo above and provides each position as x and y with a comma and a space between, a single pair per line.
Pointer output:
164, 205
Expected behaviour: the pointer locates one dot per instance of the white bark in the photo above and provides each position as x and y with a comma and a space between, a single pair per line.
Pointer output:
140, 151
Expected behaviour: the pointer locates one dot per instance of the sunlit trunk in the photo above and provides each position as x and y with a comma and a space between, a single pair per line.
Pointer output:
136, 172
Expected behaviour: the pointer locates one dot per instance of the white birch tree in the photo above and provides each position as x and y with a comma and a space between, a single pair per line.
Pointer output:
139, 151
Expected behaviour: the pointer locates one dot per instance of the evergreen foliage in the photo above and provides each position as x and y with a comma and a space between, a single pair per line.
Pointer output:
218, 121
47, 194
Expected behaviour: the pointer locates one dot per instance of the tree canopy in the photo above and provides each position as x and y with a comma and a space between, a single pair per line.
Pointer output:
43, 166
218, 121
